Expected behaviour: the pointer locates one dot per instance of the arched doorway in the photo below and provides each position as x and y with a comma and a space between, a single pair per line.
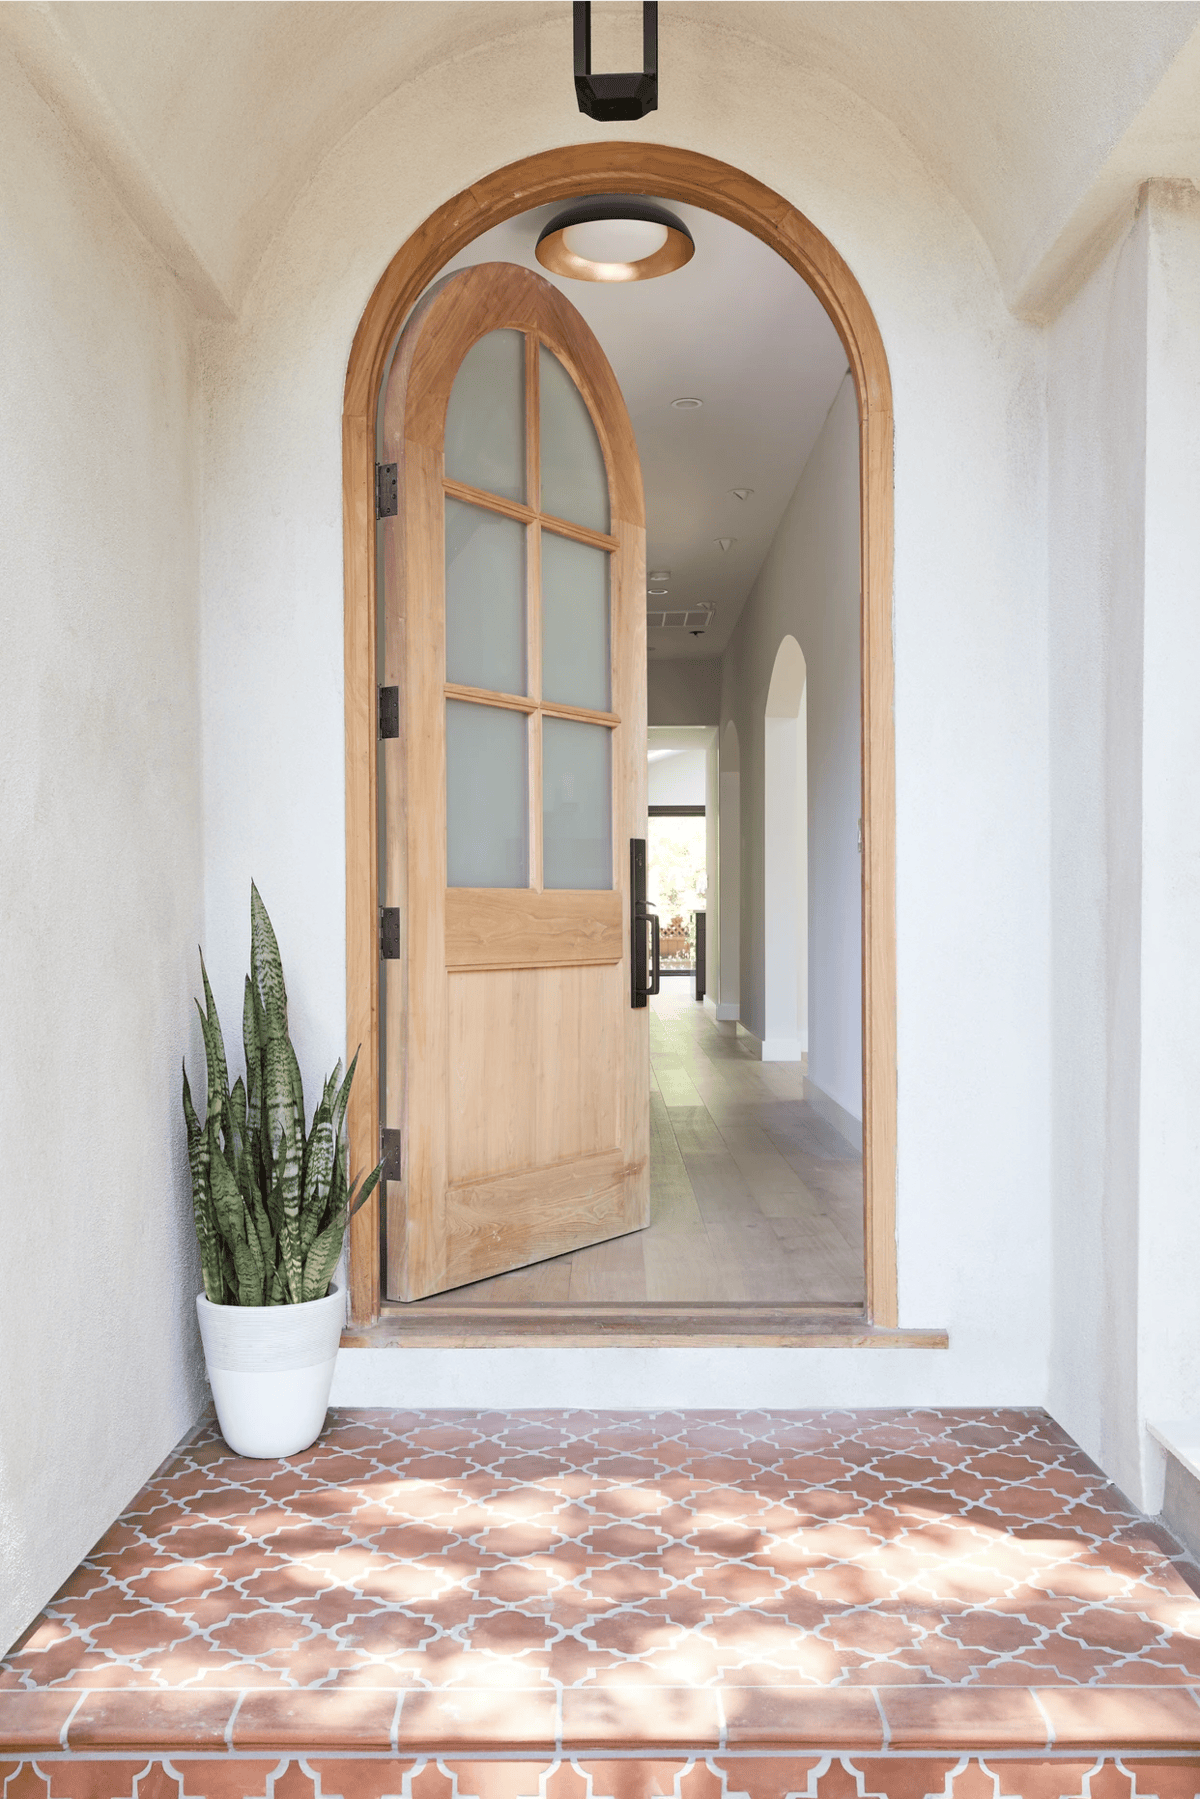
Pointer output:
785, 854
689, 177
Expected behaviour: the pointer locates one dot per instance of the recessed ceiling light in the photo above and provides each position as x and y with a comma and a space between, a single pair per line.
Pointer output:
723, 543
660, 574
688, 404
741, 493
657, 592
615, 237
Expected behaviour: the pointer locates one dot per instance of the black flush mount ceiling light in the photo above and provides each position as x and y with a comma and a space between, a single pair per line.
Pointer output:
615, 237
608, 97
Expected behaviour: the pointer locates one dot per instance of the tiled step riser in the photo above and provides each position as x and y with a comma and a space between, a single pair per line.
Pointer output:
610, 1777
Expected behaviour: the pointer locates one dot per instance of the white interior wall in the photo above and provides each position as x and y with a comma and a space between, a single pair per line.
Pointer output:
678, 761
808, 591
712, 862
100, 878
729, 874
684, 690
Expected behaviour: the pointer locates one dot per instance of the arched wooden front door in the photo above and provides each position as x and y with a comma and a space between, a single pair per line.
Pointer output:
515, 1066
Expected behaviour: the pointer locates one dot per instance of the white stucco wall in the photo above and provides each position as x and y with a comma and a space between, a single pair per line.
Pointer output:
1169, 1210
1125, 634
100, 873
971, 717
1096, 461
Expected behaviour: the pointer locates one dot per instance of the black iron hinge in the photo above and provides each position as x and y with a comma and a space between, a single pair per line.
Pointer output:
390, 1145
616, 96
387, 490
389, 712
389, 933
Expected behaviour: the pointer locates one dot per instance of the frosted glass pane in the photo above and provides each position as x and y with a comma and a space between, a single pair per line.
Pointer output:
485, 423
576, 804
576, 662
485, 599
487, 809
574, 480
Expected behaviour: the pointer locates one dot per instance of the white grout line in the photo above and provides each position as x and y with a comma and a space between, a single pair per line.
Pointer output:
1045, 1717
62, 1735
645, 1752
883, 1717
233, 1714
394, 1731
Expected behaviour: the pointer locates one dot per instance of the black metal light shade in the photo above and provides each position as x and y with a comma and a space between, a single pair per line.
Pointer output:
608, 97
615, 237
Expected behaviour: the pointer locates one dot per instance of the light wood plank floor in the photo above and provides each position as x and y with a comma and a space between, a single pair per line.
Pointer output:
753, 1195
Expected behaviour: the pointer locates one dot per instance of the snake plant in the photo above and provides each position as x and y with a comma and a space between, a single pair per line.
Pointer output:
271, 1201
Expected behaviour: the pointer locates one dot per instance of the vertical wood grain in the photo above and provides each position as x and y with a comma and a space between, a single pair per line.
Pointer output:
630, 785
425, 831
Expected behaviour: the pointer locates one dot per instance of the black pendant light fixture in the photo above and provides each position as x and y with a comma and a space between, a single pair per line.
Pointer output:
615, 237
608, 97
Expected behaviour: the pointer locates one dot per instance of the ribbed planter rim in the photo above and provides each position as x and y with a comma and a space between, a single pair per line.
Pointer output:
266, 1339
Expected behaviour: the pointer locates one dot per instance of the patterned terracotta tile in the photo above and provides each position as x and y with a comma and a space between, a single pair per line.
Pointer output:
906, 1778
474, 1720
963, 1718
817, 1717
26, 1782
766, 1777
150, 1720
944, 1552
30, 1721
632, 1716
88, 1779
361, 1777
1122, 1717
354, 1718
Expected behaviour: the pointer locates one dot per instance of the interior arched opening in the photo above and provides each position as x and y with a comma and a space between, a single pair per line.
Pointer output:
785, 853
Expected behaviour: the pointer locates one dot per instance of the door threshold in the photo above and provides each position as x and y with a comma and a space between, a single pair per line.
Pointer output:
678, 1323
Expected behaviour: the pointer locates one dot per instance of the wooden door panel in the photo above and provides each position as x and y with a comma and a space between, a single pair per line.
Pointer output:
516, 1069
547, 1054
504, 927
503, 1223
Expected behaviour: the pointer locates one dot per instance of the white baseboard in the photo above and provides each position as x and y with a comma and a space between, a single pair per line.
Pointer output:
783, 1049
842, 1121
728, 1013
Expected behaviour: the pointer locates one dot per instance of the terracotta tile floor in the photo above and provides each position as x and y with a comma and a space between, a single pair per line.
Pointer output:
603, 1606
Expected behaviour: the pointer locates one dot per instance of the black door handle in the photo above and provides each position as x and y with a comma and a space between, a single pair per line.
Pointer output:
645, 964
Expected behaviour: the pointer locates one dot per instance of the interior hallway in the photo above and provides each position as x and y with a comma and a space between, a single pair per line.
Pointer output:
753, 1195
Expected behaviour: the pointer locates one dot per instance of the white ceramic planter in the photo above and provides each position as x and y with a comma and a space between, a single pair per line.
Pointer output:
270, 1369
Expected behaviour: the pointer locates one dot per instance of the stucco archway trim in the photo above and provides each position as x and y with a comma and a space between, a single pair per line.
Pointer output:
686, 176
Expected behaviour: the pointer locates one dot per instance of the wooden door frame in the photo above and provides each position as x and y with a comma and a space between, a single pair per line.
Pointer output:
672, 174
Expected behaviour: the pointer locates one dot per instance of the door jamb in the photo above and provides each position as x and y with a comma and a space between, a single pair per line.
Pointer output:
681, 175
